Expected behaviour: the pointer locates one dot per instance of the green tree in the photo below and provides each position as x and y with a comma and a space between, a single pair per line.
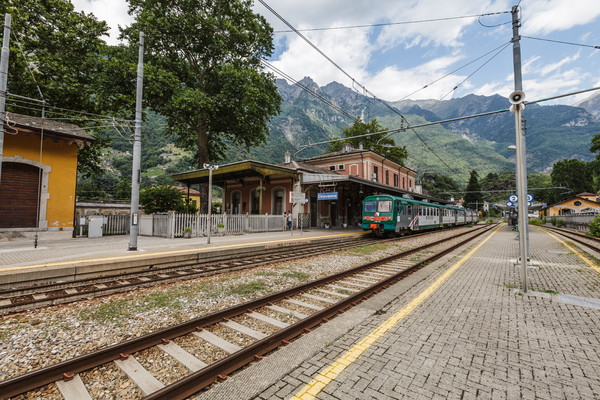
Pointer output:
203, 72
58, 52
573, 174
123, 190
161, 199
438, 185
473, 196
386, 147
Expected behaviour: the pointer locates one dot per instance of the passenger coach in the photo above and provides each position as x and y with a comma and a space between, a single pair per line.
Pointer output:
391, 214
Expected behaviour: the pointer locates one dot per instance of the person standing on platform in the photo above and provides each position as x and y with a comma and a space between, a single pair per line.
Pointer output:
289, 220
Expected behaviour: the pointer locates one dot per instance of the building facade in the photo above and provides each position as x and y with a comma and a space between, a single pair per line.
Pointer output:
319, 191
39, 173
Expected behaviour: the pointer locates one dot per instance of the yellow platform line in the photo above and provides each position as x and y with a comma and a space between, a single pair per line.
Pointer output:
312, 389
167, 253
588, 262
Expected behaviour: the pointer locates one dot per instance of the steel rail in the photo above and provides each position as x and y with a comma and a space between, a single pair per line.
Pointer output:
35, 379
219, 370
573, 236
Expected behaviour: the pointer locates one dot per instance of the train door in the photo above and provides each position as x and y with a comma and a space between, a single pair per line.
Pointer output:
405, 216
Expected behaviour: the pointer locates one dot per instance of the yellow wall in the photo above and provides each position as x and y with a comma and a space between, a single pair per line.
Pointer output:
62, 157
555, 209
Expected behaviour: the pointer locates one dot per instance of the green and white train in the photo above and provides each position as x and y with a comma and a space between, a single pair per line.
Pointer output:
387, 214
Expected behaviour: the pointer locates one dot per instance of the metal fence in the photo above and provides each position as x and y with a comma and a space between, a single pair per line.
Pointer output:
173, 225
580, 222
111, 225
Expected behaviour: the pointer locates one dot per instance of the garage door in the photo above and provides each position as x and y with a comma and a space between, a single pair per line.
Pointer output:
18, 195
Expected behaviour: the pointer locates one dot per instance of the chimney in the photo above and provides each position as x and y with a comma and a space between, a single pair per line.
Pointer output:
288, 157
360, 145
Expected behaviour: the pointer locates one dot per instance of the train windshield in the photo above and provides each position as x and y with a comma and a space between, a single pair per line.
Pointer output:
384, 206
370, 206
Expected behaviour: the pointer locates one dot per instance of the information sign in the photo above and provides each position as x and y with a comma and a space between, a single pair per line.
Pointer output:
327, 196
297, 197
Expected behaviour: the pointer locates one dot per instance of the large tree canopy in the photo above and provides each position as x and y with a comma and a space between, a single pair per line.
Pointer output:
386, 146
573, 174
203, 71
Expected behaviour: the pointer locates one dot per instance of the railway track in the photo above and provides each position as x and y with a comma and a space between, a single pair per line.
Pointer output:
277, 318
578, 237
48, 294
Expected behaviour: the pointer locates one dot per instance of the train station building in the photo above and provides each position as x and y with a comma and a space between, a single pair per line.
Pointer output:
331, 186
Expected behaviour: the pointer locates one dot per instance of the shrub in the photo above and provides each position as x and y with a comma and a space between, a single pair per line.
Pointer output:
595, 227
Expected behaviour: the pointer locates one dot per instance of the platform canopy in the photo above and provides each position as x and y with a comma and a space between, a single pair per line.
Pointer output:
235, 171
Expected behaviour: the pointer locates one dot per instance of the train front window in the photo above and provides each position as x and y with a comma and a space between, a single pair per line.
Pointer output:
370, 206
384, 206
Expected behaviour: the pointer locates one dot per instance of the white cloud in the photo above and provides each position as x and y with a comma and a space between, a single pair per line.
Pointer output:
555, 66
114, 12
545, 16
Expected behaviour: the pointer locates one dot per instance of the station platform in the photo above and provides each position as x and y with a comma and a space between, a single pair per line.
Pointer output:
459, 328
66, 259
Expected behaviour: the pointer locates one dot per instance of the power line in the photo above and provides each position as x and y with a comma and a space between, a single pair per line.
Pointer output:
562, 42
365, 90
452, 72
392, 23
308, 90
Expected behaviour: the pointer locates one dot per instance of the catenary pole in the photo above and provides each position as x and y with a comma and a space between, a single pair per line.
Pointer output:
3, 83
137, 149
517, 107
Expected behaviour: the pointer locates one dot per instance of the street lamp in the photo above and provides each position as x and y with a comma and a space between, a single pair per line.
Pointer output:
210, 169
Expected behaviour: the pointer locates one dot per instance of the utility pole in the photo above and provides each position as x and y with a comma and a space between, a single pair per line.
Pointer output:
210, 168
137, 150
3, 83
517, 98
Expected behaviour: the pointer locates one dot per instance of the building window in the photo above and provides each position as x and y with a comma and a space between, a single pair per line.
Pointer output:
403, 183
375, 173
332, 167
341, 166
577, 203
410, 184
395, 180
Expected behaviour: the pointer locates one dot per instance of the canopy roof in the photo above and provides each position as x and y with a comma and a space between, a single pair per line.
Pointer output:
235, 171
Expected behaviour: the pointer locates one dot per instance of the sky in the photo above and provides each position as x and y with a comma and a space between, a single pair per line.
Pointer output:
459, 50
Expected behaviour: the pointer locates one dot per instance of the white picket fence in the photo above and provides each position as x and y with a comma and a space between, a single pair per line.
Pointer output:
172, 225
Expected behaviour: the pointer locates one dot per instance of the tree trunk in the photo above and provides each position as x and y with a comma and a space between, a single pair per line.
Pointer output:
202, 159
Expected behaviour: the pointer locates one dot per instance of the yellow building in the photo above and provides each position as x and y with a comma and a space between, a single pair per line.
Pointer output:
39, 174
581, 203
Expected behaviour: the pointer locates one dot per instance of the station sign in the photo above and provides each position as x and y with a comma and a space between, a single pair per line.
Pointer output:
297, 197
513, 200
327, 196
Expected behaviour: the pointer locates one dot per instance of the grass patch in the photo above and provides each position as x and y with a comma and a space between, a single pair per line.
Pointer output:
245, 289
265, 273
116, 310
366, 249
512, 286
344, 291
300, 276
549, 291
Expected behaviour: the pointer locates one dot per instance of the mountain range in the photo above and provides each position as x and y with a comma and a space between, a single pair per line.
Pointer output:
554, 132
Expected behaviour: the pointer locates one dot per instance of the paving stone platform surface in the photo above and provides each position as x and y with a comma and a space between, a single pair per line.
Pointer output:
476, 336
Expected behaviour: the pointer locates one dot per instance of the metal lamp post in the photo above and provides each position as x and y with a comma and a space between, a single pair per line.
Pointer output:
210, 169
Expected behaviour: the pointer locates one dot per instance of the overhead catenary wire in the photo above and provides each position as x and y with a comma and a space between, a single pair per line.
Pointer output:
308, 90
365, 90
562, 42
394, 23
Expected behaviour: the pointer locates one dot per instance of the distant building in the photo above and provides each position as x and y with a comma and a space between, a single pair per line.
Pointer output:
39, 173
581, 203
332, 184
